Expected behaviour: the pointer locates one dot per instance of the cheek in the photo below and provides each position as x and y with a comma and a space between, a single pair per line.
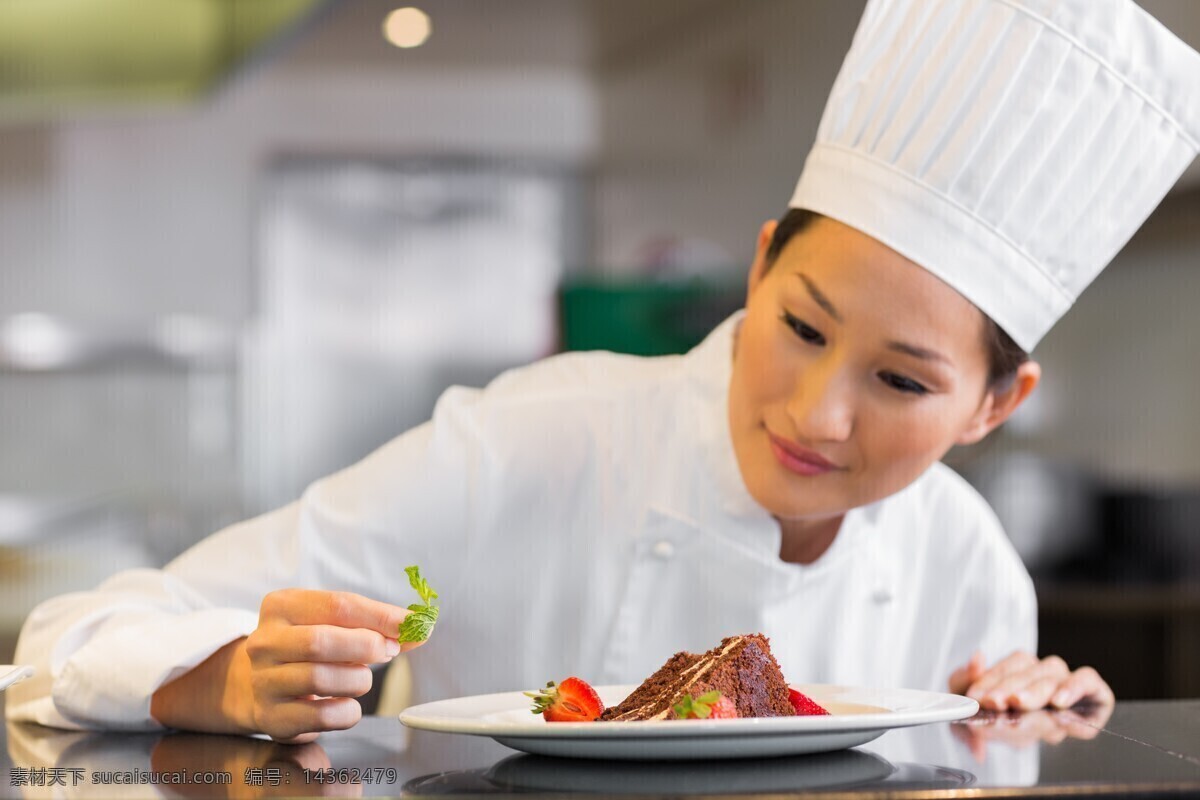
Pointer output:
765, 366
907, 442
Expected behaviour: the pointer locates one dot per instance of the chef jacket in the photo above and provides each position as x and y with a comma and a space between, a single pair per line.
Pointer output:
584, 515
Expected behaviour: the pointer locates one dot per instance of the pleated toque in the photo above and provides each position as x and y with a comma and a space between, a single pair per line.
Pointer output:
1010, 147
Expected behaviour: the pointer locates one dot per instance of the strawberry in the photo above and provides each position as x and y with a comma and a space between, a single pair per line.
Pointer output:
723, 709
711, 705
573, 700
805, 706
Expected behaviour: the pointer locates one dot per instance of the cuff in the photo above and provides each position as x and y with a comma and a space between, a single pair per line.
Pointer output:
109, 681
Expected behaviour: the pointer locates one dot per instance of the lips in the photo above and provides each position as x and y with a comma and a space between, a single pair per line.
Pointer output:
799, 460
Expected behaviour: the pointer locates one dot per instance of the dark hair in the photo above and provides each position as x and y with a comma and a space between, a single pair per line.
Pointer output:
1004, 355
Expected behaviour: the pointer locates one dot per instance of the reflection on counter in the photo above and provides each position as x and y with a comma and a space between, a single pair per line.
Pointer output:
1043, 749
525, 773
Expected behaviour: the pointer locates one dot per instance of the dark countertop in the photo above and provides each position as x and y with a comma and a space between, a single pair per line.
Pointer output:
1145, 749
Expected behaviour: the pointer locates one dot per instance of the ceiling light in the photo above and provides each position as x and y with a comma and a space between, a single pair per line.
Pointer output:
36, 341
407, 27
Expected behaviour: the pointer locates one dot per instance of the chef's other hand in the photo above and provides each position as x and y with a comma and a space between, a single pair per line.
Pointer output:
296, 675
1022, 682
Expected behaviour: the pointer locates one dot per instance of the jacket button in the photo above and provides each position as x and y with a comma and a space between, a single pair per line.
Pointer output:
663, 549
881, 596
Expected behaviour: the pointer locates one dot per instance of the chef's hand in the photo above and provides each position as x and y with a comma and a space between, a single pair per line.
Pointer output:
1022, 682
296, 675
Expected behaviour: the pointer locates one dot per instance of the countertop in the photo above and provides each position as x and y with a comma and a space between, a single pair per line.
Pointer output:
1139, 749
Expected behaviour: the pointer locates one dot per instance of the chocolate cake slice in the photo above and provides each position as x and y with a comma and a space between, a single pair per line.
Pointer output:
741, 668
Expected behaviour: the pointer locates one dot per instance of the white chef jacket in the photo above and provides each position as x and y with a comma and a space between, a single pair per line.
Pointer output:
581, 516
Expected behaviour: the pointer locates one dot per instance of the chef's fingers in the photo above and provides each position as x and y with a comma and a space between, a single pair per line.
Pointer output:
1017, 662
1083, 683
967, 674
1029, 688
288, 681
343, 609
959, 680
281, 644
298, 721
977, 665
1033, 695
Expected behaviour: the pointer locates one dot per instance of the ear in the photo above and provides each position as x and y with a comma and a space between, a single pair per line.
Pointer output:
758, 269
998, 406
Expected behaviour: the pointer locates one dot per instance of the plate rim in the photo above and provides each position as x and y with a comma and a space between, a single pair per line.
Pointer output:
430, 717
12, 674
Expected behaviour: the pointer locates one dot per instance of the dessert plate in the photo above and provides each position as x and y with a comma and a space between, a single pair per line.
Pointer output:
13, 673
858, 715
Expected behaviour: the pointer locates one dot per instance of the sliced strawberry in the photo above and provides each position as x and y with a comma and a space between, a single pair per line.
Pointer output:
711, 705
805, 706
573, 700
723, 709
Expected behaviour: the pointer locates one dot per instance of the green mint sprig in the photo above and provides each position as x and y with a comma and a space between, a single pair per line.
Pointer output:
543, 698
699, 707
417, 626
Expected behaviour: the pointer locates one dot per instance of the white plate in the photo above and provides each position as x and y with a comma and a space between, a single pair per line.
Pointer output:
858, 716
12, 673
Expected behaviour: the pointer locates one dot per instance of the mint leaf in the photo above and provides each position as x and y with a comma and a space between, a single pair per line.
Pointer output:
417, 626
697, 707
420, 584
543, 698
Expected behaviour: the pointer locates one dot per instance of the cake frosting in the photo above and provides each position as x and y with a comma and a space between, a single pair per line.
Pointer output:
741, 668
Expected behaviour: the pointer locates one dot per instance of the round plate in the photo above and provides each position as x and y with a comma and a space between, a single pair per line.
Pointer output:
858, 716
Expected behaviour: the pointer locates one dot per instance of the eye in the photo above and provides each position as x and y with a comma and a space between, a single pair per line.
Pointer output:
902, 384
802, 329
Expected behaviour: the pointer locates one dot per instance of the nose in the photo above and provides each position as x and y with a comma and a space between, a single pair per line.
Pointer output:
822, 402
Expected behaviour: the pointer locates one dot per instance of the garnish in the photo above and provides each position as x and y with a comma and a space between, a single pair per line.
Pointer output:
417, 626
573, 700
804, 705
710, 705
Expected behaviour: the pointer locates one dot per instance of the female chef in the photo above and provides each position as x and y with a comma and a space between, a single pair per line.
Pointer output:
976, 166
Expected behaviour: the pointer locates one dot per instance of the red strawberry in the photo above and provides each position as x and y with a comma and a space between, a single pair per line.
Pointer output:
723, 709
805, 706
573, 700
711, 705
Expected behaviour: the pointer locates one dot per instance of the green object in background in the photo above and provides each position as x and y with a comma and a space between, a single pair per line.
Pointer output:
643, 317
58, 56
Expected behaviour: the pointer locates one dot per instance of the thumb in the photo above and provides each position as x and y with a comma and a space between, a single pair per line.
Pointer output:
976, 665
962, 678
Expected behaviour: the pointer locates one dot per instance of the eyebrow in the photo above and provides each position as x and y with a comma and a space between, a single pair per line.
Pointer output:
819, 297
900, 347
919, 352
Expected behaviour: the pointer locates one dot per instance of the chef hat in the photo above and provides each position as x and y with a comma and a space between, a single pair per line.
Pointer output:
1010, 147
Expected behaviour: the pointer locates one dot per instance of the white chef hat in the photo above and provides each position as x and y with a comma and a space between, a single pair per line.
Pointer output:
1010, 147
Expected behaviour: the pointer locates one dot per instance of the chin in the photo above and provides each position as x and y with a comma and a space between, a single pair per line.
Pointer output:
782, 503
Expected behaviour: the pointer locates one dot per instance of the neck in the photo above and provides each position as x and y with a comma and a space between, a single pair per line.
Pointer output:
804, 541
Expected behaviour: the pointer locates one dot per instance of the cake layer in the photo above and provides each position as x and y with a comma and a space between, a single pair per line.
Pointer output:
741, 668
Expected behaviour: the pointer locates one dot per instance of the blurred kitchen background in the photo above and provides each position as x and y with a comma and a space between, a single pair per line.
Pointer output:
244, 242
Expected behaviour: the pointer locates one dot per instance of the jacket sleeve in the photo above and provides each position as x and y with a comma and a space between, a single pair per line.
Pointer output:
101, 654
